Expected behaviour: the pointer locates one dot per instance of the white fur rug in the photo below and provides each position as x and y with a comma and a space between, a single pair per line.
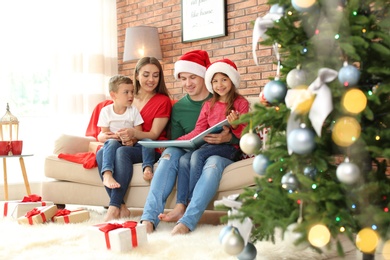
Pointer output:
65, 241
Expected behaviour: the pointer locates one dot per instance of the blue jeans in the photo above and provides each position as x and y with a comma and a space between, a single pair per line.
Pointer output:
149, 156
122, 170
191, 168
204, 190
162, 184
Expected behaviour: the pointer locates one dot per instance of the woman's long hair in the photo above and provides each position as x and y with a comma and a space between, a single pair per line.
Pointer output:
161, 87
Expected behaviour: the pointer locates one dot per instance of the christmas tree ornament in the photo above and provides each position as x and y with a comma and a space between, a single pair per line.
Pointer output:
319, 235
347, 172
225, 230
290, 181
249, 252
301, 141
275, 91
261, 26
346, 131
321, 106
260, 164
233, 243
367, 240
299, 100
354, 101
296, 77
349, 75
303, 5
250, 143
310, 171
291, 236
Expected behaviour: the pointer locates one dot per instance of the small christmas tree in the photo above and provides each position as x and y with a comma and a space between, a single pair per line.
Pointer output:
323, 171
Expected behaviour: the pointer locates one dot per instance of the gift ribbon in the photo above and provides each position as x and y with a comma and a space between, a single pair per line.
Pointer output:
322, 104
64, 213
5, 211
31, 198
33, 213
106, 228
261, 26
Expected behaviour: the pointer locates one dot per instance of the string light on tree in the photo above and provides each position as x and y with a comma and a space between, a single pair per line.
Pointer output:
319, 235
354, 101
367, 240
346, 131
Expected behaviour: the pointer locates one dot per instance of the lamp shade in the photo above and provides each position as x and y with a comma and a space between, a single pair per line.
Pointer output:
141, 41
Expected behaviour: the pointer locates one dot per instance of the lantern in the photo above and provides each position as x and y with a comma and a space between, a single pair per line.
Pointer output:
9, 128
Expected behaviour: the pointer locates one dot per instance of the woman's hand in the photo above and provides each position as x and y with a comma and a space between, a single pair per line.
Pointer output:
126, 134
104, 136
224, 137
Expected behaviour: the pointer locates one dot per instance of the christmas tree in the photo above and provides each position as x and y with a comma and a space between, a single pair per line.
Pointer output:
322, 169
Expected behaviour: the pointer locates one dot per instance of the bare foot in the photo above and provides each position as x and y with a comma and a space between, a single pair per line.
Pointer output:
109, 181
148, 173
125, 212
174, 215
112, 213
149, 226
180, 229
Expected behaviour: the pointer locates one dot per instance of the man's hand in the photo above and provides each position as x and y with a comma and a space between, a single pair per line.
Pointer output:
224, 137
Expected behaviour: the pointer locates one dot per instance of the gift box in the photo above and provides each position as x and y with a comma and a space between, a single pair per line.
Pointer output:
118, 237
66, 216
38, 215
18, 208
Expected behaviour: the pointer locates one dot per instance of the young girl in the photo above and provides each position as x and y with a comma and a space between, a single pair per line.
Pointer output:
222, 79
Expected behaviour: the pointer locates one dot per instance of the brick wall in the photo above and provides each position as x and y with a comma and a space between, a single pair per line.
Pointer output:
237, 45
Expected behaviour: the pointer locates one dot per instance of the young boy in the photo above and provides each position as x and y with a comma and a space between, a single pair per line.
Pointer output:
121, 114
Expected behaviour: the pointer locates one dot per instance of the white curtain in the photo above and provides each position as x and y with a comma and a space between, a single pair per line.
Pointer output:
56, 58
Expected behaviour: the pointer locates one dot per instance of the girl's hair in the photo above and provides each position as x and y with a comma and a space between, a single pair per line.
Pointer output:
161, 87
231, 97
115, 81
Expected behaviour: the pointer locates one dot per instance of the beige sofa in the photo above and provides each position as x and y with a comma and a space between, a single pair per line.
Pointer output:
69, 183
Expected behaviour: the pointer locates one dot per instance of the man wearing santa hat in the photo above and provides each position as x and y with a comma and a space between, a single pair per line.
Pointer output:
190, 70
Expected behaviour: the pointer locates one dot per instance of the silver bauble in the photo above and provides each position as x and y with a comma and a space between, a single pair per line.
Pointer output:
249, 252
225, 230
250, 143
260, 164
290, 181
310, 171
301, 141
275, 91
348, 173
296, 77
233, 243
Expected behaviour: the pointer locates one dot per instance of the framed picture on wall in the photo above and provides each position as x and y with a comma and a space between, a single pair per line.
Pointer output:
203, 19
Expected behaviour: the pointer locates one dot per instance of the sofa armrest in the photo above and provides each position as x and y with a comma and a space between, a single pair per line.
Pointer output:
72, 144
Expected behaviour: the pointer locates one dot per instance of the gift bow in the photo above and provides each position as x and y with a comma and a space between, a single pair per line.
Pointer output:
261, 26
106, 228
34, 212
322, 104
31, 198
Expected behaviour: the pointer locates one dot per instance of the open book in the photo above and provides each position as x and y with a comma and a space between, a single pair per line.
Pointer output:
194, 143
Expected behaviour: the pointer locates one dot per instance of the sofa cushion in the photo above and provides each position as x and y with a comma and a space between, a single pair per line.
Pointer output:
68, 171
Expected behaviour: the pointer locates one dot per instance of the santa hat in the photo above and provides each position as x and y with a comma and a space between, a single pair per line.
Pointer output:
224, 66
194, 62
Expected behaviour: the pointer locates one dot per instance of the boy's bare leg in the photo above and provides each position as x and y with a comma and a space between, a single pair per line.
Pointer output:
125, 212
109, 181
148, 173
112, 213
149, 226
